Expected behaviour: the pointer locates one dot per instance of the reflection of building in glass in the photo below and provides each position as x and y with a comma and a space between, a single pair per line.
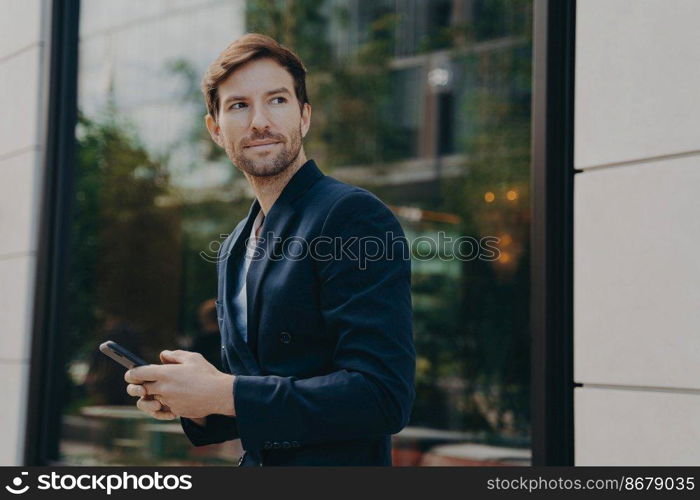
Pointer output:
417, 101
454, 118
147, 61
139, 94
425, 103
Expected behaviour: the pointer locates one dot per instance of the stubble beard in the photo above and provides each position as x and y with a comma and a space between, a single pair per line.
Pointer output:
271, 165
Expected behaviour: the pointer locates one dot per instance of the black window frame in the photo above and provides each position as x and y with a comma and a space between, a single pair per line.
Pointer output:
43, 416
552, 177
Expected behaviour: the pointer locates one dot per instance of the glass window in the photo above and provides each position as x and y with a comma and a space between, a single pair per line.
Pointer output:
425, 103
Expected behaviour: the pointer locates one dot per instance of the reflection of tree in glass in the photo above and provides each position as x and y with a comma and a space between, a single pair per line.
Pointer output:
197, 135
471, 333
493, 200
125, 258
350, 124
209, 215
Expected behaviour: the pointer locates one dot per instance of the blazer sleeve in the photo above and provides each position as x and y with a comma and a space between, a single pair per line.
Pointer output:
366, 306
218, 428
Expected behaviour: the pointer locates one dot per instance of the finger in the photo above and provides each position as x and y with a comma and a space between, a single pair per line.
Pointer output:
177, 356
140, 374
165, 415
131, 377
149, 406
163, 405
153, 388
155, 409
135, 390
128, 376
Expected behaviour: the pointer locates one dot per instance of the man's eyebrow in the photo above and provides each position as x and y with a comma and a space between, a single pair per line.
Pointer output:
281, 90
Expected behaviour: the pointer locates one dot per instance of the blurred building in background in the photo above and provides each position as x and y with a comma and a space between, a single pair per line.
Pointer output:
113, 200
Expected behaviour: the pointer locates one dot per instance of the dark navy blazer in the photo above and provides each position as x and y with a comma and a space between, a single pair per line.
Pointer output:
327, 373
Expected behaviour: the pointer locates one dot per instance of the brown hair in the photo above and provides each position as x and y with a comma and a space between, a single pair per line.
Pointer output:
249, 47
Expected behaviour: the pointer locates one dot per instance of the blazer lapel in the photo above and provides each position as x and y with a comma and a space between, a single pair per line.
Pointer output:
231, 266
272, 234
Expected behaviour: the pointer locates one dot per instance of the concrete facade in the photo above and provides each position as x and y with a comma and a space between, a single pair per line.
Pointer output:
24, 37
636, 232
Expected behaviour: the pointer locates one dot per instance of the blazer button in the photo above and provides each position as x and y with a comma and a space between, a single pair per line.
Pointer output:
276, 445
267, 445
285, 444
285, 337
295, 444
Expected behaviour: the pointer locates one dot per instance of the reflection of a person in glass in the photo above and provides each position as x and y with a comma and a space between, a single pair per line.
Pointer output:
318, 353
207, 342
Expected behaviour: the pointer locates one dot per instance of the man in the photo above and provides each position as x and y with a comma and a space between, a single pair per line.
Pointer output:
317, 345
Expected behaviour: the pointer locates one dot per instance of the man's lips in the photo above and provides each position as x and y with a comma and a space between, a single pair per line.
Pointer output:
261, 145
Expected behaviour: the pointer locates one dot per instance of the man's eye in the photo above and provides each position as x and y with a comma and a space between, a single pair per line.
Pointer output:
282, 98
235, 104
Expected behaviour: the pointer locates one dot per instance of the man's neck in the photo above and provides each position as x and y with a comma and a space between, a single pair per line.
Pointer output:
268, 189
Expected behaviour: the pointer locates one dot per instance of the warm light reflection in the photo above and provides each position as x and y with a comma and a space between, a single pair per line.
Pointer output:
512, 195
489, 196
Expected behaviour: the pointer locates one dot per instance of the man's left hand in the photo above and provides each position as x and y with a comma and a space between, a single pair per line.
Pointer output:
186, 382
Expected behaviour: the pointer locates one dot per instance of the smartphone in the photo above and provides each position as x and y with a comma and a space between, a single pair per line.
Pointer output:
121, 355
126, 358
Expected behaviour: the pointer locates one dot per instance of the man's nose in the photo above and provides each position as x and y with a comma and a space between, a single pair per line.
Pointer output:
259, 119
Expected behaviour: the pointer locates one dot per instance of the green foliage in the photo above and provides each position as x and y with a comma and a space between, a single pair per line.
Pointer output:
471, 333
125, 263
495, 295
349, 100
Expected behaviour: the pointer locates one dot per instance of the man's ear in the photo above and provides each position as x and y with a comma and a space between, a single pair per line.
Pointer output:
214, 129
305, 119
